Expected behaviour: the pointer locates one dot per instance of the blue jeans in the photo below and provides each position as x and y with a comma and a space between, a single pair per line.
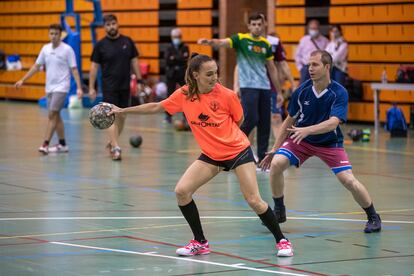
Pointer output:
338, 76
256, 108
304, 74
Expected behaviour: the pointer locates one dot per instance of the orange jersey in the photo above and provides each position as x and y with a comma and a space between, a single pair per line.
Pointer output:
213, 120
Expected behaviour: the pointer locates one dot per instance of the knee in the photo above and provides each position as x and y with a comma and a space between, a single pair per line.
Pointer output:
182, 193
254, 201
277, 166
350, 183
53, 115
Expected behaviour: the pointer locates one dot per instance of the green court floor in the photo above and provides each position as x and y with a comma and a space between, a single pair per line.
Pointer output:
83, 214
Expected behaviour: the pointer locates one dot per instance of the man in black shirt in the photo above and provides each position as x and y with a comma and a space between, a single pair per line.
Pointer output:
176, 57
117, 55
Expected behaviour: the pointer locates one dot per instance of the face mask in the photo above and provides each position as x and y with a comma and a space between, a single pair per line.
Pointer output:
313, 33
176, 41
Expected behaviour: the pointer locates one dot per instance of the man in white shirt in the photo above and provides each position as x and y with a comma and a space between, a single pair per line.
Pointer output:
59, 60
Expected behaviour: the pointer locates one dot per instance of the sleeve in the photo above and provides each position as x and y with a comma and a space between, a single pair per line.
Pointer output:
134, 50
280, 54
293, 107
234, 41
41, 58
340, 106
96, 56
236, 110
174, 103
340, 55
71, 58
269, 52
298, 55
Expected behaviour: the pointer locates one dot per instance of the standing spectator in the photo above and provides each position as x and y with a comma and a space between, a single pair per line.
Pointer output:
307, 44
176, 57
117, 55
338, 48
59, 60
254, 56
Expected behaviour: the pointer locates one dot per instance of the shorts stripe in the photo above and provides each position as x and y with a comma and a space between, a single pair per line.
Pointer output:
294, 160
340, 169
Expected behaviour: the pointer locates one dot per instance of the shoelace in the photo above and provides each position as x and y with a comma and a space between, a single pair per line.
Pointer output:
284, 245
192, 244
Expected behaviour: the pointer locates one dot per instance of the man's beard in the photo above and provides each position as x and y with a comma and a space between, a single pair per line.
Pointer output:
113, 33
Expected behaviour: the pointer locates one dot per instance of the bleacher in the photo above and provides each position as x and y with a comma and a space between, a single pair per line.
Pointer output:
24, 26
379, 33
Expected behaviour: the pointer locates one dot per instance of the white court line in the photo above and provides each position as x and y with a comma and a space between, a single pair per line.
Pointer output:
176, 258
203, 217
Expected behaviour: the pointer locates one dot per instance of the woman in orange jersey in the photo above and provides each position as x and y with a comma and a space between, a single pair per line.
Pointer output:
214, 114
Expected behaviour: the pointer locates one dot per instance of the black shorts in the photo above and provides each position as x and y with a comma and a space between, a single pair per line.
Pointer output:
243, 157
120, 98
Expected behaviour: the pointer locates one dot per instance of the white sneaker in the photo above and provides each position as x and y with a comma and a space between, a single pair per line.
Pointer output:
194, 248
59, 149
284, 248
44, 149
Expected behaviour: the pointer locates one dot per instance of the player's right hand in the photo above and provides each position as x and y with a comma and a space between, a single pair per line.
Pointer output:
265, 164
114, 110
18, 84
92, 94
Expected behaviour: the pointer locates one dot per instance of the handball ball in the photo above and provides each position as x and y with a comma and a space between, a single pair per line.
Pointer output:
98, 116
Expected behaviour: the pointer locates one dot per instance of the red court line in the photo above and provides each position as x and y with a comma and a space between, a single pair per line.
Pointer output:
39, 241
233, 256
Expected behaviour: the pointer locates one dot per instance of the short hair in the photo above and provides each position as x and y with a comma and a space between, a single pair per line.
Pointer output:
256, 16
314, 21
326, 57
176, 32
56, 27
110, 17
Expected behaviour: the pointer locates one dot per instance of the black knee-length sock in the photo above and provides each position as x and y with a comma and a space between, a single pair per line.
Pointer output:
269, 220
190, 213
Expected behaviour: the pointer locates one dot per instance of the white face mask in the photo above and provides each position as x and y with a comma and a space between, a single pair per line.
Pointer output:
313, 33
176, 41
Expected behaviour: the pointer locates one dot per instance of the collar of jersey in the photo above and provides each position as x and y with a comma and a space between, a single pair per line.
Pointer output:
249, 36
320, 94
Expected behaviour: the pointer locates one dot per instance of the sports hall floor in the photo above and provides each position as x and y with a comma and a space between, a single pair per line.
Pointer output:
82, 214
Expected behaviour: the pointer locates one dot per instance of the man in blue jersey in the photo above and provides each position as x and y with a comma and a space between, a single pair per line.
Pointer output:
316, 109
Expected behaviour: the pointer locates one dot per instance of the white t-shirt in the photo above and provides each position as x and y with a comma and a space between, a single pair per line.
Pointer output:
58, 63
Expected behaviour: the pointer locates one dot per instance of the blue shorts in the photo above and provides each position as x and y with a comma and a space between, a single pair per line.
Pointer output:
273, 104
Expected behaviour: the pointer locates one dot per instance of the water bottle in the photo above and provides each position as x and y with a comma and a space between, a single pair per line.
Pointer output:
384, 78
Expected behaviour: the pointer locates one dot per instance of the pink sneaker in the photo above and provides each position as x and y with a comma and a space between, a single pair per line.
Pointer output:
194, 248
284, 248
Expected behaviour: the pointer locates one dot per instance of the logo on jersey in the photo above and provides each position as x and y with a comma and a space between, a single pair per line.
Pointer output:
124, 46
306, 103
203, 117
214, 105
203, 121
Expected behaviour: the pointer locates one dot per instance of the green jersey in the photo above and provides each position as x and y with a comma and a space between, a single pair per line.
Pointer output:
252, 54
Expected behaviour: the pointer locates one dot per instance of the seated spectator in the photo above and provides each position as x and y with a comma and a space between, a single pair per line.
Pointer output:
338, 48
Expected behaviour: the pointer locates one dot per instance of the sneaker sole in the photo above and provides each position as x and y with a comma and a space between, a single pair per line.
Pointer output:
373, 231
285, 255
189, 255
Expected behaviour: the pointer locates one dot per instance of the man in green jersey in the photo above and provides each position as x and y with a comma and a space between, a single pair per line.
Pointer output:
254, 56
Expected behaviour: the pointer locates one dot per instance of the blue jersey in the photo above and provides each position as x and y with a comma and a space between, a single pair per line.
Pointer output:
310, 108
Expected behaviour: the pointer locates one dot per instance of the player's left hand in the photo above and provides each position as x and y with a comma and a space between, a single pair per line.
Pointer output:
299, 133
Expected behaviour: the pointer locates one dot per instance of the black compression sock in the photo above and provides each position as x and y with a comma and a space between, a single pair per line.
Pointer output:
269, 220
190, 213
